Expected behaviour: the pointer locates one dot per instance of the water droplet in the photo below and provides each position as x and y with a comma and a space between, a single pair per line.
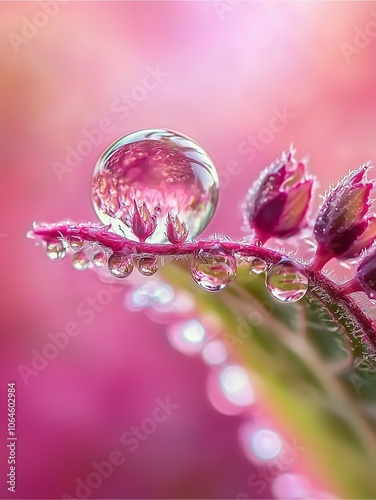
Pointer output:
75, 242
120, 265
55, 250
148, 265
213, 270
99, 258
159, 167
287, 281
80, 261
257, 266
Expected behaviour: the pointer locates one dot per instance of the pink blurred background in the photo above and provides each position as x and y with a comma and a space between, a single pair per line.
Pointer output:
223, 71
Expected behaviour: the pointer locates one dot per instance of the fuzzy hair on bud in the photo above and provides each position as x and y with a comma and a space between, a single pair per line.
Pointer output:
343, 229
278, 202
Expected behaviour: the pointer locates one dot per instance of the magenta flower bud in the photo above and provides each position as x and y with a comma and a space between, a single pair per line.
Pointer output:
176, 231
142, 223
366, 274
342, 228
278, 202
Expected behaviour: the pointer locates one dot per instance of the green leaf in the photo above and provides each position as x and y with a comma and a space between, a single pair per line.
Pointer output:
312, 370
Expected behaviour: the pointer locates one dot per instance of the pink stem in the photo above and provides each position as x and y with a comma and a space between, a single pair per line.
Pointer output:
320, 285
320, 259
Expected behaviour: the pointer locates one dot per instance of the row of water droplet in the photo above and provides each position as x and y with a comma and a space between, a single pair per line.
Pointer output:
212, 270
120, 265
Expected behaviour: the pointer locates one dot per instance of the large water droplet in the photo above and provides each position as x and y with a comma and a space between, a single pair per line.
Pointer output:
55, 250
287, 281
148, 265
213, 270
80, 261
257, 266
120, 265
159, 167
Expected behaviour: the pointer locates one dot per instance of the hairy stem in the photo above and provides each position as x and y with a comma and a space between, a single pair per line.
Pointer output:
320, 285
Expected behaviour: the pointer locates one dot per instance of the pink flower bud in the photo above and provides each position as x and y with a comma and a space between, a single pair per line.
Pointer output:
342, 228
176, 231
142, 223
278, 203
366, 274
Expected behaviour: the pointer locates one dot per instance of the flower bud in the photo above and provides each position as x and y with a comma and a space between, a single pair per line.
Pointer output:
366, 274
278, 203
342, 228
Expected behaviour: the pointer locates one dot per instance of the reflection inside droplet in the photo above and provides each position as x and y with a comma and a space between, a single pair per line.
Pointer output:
99, 259
161, 168
75, 242
257, 266
148, 265
55, 250
80, 261
213, 270
120, 265
287, 281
